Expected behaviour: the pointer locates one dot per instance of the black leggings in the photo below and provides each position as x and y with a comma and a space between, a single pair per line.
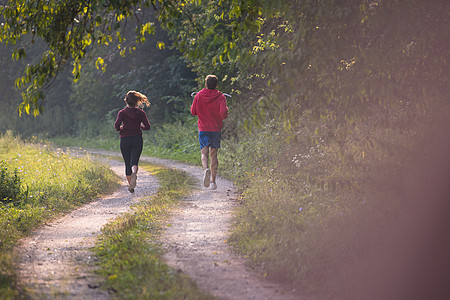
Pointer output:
131, 148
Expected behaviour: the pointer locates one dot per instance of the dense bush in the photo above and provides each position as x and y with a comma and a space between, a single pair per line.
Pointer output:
10, 186
174, 139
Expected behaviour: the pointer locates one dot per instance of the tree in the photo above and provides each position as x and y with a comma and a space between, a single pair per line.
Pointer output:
331, 57
70, 29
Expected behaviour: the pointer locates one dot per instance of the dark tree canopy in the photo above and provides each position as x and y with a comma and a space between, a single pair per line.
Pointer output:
70, 29
331, 57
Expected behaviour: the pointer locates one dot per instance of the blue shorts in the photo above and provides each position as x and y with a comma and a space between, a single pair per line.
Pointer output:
209, 139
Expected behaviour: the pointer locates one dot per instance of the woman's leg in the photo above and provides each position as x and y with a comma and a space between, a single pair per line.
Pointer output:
136, 151
126, 154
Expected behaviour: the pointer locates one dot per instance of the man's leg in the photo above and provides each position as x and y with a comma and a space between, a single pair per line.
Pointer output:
214, 163
205, 163
205, 156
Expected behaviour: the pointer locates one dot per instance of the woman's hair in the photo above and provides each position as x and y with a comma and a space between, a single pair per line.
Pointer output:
136, 99
211, 81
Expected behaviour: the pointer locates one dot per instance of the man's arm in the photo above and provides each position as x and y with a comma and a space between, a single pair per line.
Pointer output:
194, 106
223, 108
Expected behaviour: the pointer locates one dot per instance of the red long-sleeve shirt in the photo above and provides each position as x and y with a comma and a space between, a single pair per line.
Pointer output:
211, 108
131, 121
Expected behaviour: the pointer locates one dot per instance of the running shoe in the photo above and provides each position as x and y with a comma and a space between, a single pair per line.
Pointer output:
133, 180
206, 178
213, 186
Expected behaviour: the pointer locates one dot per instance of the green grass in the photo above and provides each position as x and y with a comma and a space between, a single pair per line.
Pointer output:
47, 184
175, 141
129, 248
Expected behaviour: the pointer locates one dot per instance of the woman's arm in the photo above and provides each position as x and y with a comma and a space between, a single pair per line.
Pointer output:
145, 124
118, 122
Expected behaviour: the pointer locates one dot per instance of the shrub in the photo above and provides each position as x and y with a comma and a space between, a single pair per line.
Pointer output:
10, 185
173, 140
252, 153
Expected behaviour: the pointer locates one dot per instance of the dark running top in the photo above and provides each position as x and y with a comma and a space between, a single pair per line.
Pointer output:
131, 121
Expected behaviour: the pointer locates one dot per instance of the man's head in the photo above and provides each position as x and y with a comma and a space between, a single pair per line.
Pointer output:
211, 82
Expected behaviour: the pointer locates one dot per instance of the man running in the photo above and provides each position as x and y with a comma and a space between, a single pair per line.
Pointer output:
211, 108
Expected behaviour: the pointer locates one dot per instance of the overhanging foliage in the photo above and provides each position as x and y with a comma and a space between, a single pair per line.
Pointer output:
332, 57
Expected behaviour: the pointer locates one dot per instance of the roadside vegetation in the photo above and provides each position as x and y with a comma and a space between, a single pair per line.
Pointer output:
333, 102
37, 185
129, 248
318, 204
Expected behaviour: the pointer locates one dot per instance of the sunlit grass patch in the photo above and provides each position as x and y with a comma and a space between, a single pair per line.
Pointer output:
129, 250
42, 185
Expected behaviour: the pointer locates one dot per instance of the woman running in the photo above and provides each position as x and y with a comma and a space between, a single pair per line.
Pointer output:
130, 122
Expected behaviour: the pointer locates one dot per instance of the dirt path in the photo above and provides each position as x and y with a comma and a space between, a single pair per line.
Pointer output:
195, 243
56, 259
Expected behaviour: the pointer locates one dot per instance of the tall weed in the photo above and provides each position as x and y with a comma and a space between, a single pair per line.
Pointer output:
252, 153
10, 186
